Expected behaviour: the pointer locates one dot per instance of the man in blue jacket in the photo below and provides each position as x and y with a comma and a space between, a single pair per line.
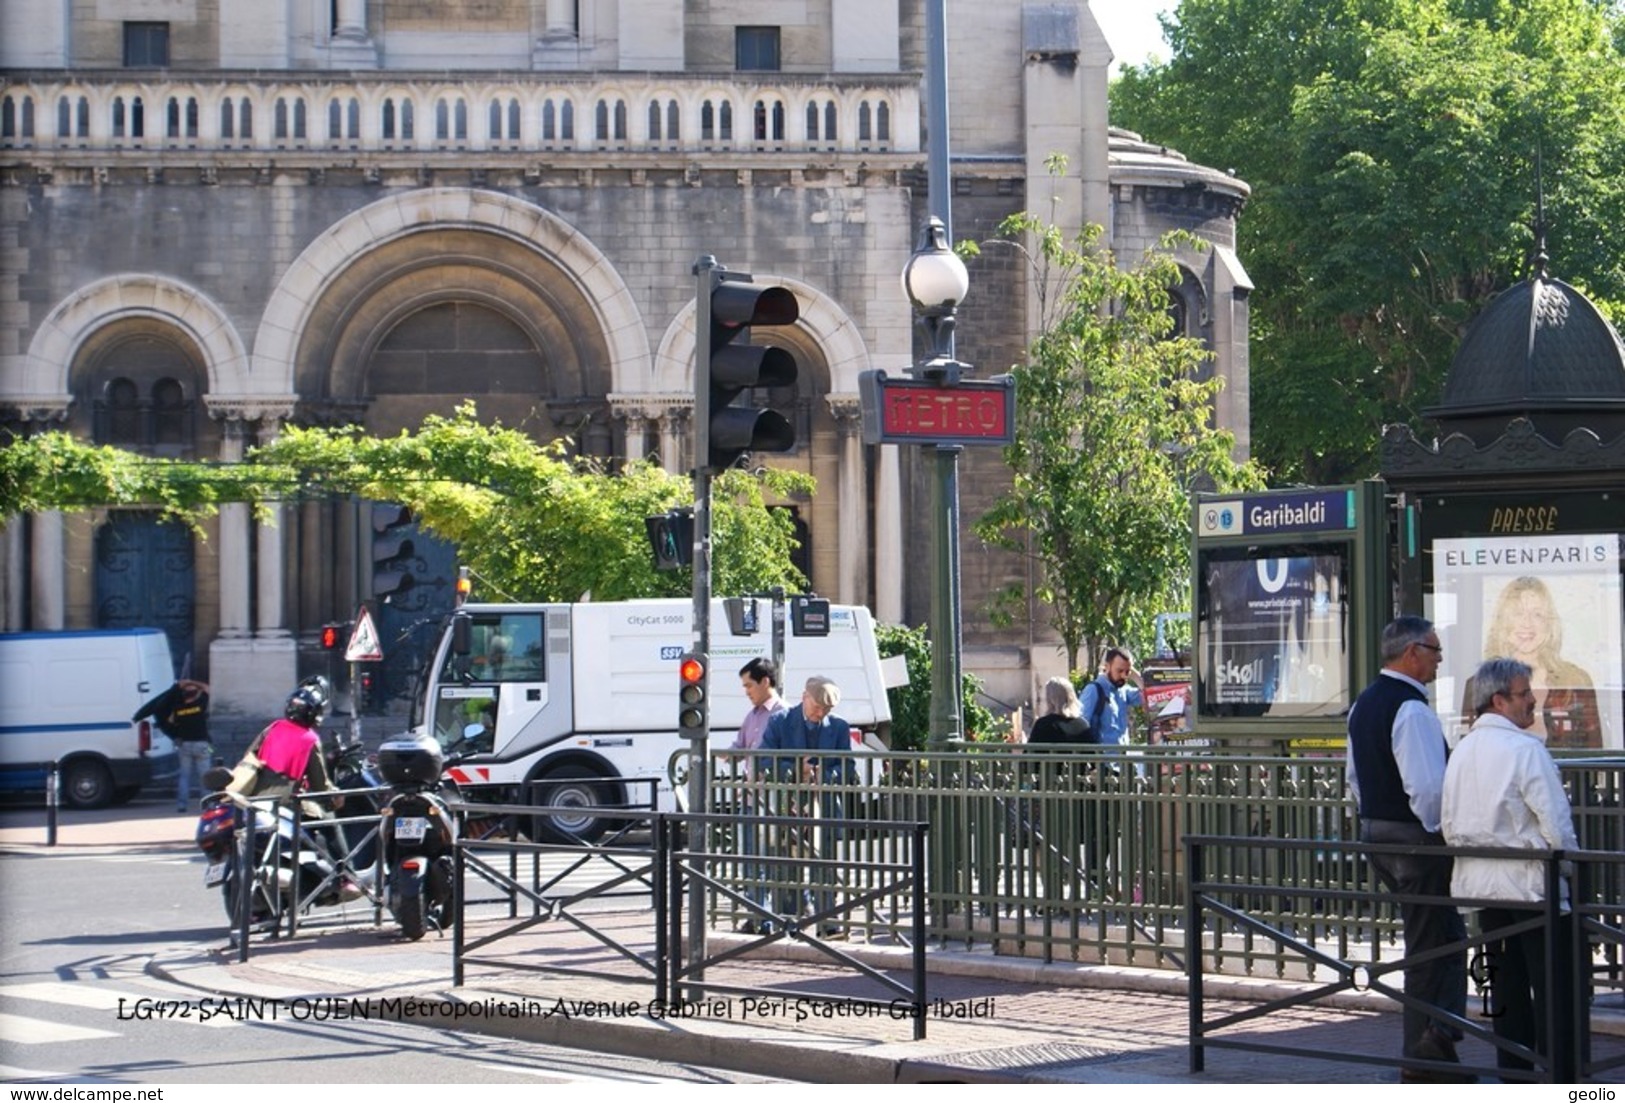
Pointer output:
809, 731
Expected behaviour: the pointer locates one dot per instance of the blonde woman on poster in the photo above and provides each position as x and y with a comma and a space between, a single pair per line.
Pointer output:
1525, 626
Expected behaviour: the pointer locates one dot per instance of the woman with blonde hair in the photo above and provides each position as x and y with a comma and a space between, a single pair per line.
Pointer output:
1525, 626
1063, 720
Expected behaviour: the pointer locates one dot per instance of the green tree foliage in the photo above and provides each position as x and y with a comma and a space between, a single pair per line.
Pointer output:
534, 524
1391, 147
911, 704
1113, 437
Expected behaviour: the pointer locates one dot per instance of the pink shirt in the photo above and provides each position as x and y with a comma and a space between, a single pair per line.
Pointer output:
286, 748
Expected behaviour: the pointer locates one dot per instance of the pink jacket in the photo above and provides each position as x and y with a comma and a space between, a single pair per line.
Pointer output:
286, 748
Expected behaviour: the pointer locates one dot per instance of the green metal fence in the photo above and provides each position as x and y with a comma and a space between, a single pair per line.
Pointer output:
1077, 856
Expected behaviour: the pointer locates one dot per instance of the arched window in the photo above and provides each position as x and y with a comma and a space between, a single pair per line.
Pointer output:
726, 120
118, 116
335, 120
299, 134
812, 122
123, 413
620, 120
64, 117
387, 122
829, 121
169, 413
245, 119
708, 125
352, 119
567, 121
71, 110
883, 122
279, 119
461, 113
601, 117
8, 118
442, 120
863, 121
513, 120
228, 119
548, 126
406, 120
674, 131
654, 121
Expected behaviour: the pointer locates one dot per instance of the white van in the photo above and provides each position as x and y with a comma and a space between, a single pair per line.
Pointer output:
68, 697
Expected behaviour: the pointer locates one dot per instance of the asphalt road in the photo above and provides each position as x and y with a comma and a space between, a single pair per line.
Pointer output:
79, 924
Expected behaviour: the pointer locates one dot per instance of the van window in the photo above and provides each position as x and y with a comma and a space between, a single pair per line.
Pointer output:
504, 648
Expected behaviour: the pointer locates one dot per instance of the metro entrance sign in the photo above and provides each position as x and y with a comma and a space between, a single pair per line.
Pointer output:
925, 411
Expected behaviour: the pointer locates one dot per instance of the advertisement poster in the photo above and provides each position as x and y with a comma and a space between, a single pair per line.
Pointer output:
1275, 641
1553, 602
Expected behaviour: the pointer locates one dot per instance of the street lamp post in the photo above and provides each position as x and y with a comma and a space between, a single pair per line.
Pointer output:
935, 282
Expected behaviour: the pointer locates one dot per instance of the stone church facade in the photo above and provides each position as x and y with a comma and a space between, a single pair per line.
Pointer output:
218, 218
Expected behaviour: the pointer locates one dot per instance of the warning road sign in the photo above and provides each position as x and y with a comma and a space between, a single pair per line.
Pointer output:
364, 646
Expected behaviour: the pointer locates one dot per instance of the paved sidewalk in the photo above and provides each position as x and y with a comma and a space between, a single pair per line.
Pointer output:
1021, 1020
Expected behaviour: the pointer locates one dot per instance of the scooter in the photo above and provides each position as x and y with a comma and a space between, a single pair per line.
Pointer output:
419, 835
288, 860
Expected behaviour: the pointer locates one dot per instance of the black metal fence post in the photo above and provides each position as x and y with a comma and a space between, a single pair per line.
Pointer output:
53, 799
1194, 874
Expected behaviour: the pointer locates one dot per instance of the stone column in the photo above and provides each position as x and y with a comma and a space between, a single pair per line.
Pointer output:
851, 532
235, 604
47, 581
48, 586
634, 433
16, 558
674, 438
561, 19
268, 557
889, 536
352, 19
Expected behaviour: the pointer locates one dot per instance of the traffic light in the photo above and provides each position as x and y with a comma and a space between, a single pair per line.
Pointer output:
335, 636
692, 711
671, 538
465, 584
728, 304
395, 562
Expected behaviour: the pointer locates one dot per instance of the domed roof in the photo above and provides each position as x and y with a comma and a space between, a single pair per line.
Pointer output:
1541, 345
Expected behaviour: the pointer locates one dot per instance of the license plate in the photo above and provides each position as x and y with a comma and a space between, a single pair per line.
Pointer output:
411, 828
216, 874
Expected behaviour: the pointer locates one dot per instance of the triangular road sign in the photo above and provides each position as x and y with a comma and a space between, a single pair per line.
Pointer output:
364, 646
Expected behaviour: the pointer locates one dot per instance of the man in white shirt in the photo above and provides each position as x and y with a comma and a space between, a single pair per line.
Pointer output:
1396, 756
1502, 789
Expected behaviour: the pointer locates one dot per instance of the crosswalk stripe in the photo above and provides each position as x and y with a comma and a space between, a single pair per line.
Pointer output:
22, 1030
11, 1074
95, 998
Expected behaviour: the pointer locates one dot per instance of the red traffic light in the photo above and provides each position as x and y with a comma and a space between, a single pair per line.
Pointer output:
330, 637
691, 669
692, 712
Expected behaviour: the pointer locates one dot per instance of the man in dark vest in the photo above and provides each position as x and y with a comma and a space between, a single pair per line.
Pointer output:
1396, 759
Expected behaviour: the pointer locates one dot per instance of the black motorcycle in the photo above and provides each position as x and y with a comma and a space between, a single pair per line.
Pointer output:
418, 834
296, 861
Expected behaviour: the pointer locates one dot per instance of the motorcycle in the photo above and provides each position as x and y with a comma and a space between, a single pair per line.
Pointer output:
295, 861
418, 834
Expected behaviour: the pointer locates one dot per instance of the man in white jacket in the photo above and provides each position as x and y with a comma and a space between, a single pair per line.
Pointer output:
1502, 789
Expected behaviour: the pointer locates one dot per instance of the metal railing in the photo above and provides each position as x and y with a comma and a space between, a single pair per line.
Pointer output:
1078, 856
801, 883
1219, 905
272, 887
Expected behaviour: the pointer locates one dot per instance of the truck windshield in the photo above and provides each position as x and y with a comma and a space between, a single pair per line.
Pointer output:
505, 648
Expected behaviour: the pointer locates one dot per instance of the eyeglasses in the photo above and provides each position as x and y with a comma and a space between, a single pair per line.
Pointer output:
1433, 647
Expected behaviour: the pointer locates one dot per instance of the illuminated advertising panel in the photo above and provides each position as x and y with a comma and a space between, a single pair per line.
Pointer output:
1552, 601
1274, 632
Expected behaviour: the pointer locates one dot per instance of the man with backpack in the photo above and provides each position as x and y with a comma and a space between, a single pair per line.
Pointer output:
1105, 704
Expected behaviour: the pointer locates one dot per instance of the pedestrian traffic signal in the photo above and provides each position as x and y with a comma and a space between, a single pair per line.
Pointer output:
335, 636
671, 538
728, 305
692, 713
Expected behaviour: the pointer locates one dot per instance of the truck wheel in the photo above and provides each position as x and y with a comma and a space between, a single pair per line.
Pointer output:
87, 783
570, 790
